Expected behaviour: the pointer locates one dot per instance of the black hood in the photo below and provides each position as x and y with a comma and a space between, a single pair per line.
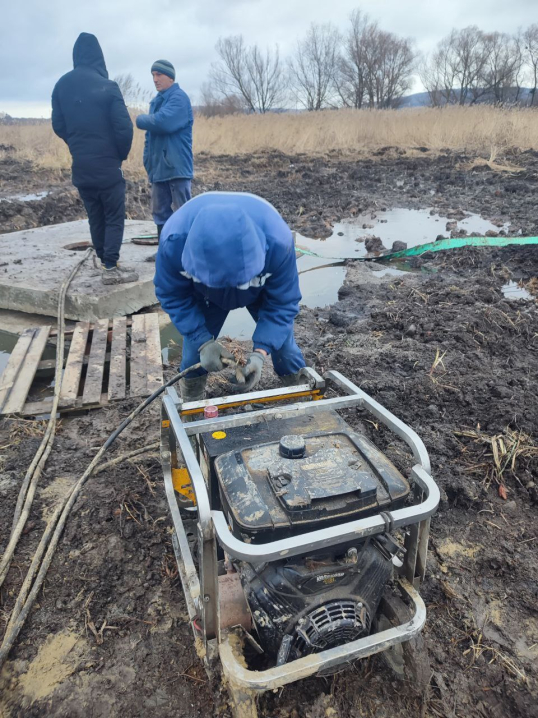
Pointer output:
87, 51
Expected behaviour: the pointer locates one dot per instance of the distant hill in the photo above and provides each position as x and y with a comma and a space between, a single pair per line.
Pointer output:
6, 119
422, 99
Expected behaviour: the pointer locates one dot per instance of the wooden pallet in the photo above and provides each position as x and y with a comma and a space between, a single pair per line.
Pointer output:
107, 361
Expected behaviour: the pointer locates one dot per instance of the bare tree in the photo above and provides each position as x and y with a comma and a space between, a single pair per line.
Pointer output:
458, 64
529, 44
133, 93
350, 71
257, 77
392, 77
431, 77
313, 66
502, 68
213, 104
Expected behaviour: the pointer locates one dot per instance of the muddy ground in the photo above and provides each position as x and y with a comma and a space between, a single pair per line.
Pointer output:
444, 350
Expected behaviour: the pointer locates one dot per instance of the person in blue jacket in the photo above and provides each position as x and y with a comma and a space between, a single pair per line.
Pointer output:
89, 114
168, 146
221, 251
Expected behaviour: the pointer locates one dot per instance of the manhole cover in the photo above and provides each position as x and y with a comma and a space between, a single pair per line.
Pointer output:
78, 246
145, 240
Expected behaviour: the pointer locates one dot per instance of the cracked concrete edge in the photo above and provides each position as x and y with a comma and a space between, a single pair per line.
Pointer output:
79, 307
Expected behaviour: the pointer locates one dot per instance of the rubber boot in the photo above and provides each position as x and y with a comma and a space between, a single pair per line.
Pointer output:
193, 389
154, 256
293, 379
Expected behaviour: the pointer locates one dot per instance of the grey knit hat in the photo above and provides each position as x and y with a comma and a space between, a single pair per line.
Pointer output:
165, 68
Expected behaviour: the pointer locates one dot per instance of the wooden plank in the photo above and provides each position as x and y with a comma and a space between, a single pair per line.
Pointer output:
74, 364
118, 364
38, 408
68, 332
17, 396
138, 374
14, 365
154, 362
48, 364
96, 363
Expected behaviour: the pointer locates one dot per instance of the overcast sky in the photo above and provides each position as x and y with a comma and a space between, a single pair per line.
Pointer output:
37, 36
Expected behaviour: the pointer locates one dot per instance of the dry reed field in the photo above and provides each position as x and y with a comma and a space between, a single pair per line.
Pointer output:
483, 130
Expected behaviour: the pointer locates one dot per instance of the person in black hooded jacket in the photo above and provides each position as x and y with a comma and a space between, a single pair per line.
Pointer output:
89, 114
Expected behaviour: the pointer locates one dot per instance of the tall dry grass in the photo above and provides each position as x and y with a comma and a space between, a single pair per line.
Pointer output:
476, 130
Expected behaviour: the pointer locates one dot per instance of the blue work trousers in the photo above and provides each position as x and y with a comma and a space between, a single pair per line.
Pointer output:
287, 360
106, 215
167, 197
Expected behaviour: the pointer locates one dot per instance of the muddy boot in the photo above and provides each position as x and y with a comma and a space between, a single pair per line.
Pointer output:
294, 379
118, 275
153, 257
193, 389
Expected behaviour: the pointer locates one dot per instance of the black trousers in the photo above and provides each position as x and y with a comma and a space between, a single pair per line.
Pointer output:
106, 214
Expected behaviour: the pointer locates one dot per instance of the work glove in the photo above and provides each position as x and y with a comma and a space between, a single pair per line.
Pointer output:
251, 373
214, 357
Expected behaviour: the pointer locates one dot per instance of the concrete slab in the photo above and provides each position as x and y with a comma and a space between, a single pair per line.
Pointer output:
34, 263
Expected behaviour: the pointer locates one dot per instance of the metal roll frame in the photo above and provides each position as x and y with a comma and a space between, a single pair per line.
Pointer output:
201, 587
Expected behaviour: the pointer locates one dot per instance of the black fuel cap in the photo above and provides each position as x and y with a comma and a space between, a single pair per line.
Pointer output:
292, 446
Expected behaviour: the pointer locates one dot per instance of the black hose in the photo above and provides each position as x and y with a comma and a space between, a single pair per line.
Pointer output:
51, 535
140, 408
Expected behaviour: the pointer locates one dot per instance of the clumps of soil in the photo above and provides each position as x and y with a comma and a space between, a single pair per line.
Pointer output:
455, 360
312, 193
113, 588
64, 205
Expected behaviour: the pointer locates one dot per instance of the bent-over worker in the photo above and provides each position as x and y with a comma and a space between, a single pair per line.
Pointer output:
222, 251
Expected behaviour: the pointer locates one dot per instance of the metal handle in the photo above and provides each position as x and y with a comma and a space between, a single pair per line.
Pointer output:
332, 535
411, 438
358, 529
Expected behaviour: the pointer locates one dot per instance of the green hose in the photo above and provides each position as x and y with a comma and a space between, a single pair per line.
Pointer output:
434, 247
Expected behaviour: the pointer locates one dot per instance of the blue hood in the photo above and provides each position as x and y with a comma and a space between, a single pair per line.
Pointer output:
224, 248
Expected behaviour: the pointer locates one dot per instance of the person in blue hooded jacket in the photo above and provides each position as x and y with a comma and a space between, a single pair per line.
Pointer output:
219, 252
168, 146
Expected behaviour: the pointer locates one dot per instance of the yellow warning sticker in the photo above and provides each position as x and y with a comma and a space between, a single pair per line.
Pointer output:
219, 434
182, 484
165, 424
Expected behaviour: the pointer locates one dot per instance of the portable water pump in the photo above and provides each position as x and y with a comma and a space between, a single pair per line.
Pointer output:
294, 533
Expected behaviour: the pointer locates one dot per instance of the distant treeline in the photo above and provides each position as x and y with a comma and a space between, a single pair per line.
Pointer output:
6, 119
368, 67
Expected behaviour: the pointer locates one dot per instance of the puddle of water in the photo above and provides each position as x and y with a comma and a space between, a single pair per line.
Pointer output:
391, 272
26, 197
4, 358
7, 344
319, 281
413, 226
321, 277
512, 290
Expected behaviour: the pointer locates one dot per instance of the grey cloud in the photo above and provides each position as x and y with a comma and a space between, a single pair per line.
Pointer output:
37, 49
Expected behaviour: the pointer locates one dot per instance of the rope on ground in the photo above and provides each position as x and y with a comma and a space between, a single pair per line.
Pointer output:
126, 457
41, 560
33, 474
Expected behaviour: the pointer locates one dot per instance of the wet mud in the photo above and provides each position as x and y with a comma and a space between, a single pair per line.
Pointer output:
444, 349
